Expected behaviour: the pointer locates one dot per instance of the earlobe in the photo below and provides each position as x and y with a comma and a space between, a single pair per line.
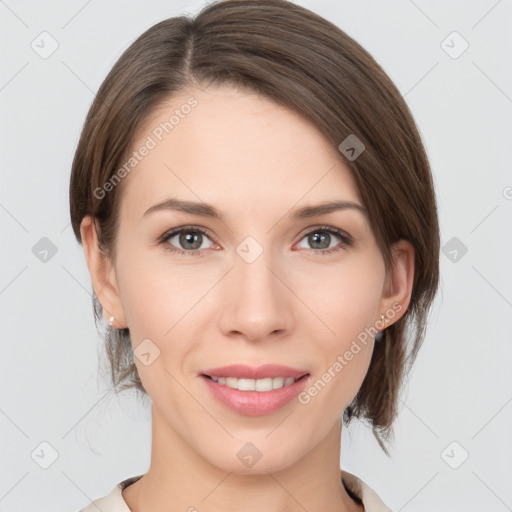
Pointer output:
398, 287
102, 274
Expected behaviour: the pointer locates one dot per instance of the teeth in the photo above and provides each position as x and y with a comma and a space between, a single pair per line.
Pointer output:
255, 385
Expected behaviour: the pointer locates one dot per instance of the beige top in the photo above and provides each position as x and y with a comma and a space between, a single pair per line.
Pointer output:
356, 488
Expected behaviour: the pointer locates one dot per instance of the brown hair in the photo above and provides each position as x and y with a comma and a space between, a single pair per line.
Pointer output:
300, 60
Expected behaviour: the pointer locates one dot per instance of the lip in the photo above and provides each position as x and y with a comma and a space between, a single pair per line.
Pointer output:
255, 403
242, 371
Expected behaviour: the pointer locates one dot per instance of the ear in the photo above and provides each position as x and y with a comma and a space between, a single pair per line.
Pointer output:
102, 274
397, 290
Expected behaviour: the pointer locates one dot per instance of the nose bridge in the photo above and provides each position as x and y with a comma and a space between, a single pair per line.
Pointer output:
258, 303
252, 271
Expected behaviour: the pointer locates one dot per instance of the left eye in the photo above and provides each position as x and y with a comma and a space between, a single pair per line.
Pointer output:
317, 237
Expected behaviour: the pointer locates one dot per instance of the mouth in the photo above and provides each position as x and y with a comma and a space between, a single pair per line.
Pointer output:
265, 384
255, 378
255, 391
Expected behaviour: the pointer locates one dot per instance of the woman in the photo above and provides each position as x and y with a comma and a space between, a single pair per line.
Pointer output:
259, 221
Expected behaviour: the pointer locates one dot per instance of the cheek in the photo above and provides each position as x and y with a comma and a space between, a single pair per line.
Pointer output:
160, 302
154, 293
344, 295
344, 299
353, 317
145, 301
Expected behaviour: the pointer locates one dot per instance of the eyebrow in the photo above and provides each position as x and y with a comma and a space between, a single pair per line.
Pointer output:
208, 210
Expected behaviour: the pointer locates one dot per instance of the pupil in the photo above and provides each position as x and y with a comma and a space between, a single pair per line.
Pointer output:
189, 237
319, 238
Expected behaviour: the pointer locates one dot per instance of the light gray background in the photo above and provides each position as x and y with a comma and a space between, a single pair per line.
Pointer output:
461, 387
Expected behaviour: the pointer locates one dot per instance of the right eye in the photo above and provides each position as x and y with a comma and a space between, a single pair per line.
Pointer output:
190, 238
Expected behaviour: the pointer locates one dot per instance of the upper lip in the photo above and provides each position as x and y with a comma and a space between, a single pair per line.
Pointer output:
243, 371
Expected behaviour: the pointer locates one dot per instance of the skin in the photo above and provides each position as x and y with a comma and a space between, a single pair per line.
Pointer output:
255, 161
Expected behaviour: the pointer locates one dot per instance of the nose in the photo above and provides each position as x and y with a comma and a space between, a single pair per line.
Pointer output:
256, 300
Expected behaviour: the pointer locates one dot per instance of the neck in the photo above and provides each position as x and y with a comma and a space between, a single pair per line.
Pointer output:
179, 478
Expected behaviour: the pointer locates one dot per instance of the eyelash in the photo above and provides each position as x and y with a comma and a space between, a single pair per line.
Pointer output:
346, 240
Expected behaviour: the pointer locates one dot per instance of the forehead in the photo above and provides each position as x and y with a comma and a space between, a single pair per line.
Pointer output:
234, 149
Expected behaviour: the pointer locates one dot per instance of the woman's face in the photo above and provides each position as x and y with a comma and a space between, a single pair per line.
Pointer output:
258, 287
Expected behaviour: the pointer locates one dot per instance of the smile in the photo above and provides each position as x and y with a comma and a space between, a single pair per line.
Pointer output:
254, 397
263, 385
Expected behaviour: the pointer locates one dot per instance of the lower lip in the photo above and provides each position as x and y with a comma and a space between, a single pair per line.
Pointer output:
255, 403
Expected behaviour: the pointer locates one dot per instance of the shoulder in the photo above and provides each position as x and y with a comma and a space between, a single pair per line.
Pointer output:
369, 498
113, 501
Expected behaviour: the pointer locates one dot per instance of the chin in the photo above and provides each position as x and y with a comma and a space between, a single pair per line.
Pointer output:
253, 457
